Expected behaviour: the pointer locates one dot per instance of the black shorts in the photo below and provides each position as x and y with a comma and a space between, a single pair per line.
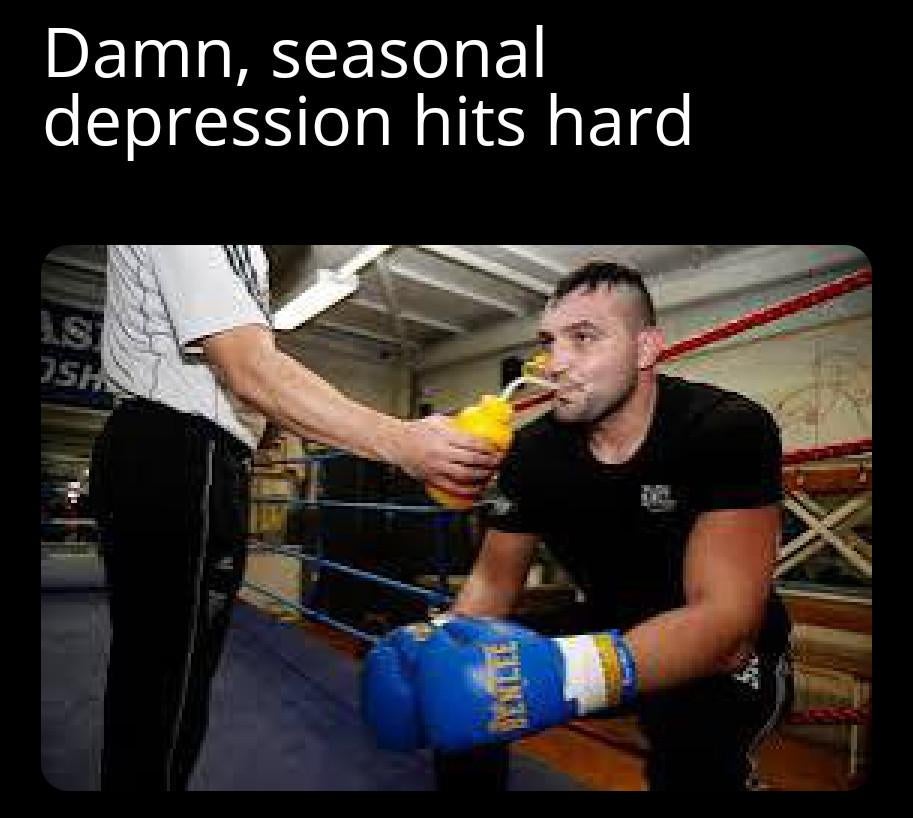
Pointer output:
702, 735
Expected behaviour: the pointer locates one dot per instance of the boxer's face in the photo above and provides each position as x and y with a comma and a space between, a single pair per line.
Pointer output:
597, 344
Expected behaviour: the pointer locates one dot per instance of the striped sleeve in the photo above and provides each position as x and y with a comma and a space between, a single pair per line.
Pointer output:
208, 288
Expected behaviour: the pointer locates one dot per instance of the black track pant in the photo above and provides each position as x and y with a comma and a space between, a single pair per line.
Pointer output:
170, 492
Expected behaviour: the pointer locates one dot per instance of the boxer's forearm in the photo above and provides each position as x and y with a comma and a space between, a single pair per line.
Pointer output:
687, 643
498, 576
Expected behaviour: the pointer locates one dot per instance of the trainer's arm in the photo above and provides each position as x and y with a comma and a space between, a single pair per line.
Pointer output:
247, 361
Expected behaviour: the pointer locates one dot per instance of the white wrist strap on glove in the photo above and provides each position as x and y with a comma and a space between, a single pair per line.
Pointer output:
591, 672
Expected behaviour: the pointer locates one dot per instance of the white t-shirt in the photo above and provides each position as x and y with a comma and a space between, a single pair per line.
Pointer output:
160, 299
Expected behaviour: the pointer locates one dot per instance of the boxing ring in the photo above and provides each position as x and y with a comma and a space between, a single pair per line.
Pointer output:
299, 718
284, 713
823, 528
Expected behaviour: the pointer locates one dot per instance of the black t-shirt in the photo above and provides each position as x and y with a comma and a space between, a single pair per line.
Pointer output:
621, 530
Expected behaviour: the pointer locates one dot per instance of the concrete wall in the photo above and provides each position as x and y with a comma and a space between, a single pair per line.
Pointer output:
382, 385
817, 381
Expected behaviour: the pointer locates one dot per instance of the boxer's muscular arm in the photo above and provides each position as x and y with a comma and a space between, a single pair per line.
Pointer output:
498, 576
729, 565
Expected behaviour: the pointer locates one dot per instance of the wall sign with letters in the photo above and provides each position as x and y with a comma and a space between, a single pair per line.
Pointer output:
71, 356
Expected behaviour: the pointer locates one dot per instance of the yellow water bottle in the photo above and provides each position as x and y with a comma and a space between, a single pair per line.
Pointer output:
491, 419
536, 365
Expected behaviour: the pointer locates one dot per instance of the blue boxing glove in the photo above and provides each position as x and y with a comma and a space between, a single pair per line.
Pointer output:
481, 681
388, 703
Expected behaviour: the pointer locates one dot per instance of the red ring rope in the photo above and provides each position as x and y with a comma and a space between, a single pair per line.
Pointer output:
860, 446
774, 312
830, 715
818, 716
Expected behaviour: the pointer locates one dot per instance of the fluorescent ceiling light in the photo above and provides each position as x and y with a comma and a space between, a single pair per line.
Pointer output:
326, 288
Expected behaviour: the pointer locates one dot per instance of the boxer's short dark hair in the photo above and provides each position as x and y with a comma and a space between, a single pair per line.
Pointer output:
595, 274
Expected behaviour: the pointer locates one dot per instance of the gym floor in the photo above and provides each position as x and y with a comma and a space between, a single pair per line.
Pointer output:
284, 713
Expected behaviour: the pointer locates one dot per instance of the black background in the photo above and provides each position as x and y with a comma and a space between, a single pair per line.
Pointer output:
792, 126
786, 137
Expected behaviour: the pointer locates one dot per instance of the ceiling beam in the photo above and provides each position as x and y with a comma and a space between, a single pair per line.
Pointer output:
361, 259
410, 315
386, 285
492, 268
434, 323
449, 287
755, 269
351, 329
75, 263
534, 258
310, 342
